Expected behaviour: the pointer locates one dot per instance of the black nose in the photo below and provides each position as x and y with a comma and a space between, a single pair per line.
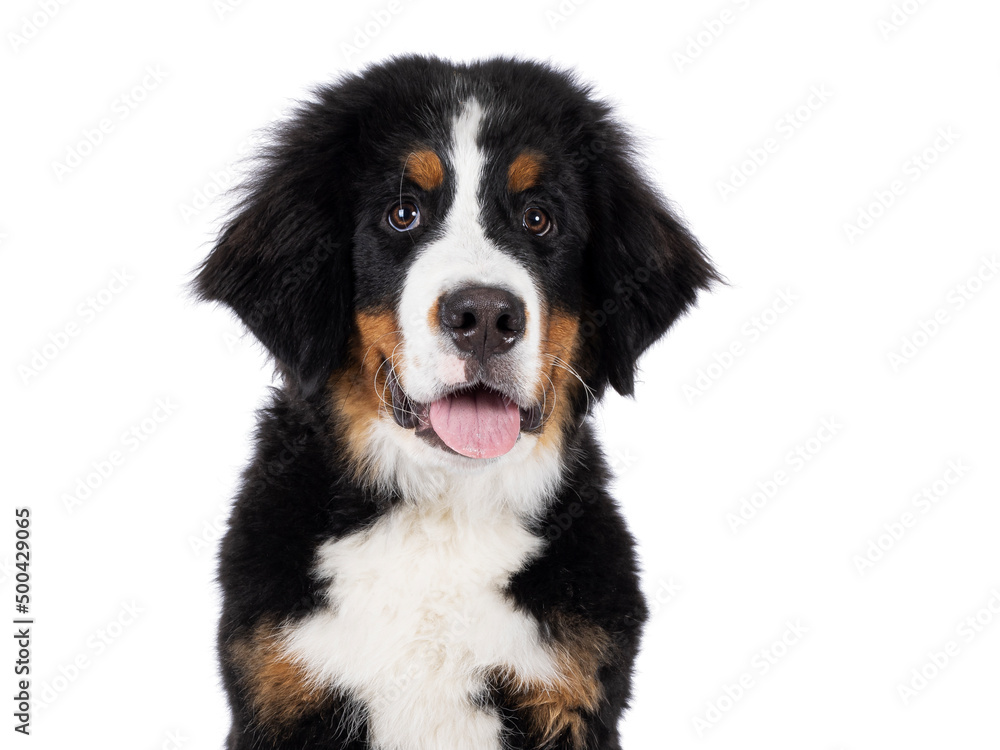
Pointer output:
482, 320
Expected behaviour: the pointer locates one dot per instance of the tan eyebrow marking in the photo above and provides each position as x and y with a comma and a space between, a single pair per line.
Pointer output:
424, 168
524, 171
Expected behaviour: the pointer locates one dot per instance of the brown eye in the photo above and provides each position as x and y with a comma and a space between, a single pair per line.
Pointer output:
536, 221
404, 216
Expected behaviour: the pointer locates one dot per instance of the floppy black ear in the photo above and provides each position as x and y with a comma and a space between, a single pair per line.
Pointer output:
643, 267
283, 260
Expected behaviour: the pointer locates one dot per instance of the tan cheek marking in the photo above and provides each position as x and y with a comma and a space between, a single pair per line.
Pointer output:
280, 690
424, 168
524, 171
556, 709
433, 321
357, 389
559, 353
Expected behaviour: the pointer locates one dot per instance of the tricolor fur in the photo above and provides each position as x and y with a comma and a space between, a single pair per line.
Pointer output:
449, 264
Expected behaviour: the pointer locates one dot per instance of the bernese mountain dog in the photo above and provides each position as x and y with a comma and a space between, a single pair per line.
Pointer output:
450, 264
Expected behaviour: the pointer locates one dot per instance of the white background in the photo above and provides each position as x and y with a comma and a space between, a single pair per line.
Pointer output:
133, 205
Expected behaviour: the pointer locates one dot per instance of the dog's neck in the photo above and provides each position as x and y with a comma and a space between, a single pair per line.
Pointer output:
402, 464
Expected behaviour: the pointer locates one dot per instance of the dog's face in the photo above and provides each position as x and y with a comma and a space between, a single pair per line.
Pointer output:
459, 259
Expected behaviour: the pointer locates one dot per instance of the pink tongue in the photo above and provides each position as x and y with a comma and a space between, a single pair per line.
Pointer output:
478, 423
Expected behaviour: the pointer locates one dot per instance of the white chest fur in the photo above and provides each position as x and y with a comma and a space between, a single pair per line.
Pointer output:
418, 616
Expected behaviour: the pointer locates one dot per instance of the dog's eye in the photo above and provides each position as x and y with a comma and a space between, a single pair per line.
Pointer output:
404, 216
536, 221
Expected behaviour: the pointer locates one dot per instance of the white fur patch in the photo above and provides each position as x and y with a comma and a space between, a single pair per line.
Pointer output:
418, 616
463, 256
451, 369
521, 481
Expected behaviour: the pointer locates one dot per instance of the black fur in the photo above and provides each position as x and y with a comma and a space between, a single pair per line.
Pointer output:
308, 246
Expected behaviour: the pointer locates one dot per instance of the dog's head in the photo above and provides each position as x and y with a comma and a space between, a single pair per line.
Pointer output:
458, 258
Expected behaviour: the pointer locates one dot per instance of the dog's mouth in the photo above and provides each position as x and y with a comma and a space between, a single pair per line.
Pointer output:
477, 421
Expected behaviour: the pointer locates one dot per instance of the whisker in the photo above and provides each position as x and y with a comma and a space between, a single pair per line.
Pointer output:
390, 360
386, 403
555, 400
564, 365
545, 397
389, 333
383, 404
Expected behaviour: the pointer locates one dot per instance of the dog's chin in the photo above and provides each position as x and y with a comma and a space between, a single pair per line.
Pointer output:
478, 421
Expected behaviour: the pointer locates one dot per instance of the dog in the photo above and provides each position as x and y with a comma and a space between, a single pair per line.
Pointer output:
450, 264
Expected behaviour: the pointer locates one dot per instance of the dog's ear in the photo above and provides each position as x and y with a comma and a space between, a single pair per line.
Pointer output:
283, 260
642, 267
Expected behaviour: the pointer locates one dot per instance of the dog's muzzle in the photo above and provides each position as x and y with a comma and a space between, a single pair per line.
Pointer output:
479, 418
